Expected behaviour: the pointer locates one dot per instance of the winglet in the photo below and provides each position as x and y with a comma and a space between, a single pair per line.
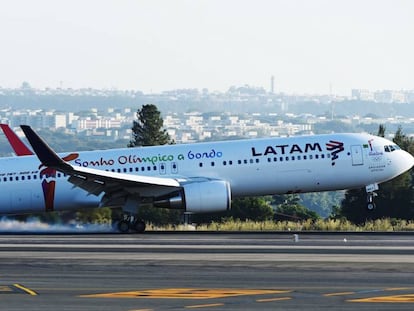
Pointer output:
45, 154
15, 142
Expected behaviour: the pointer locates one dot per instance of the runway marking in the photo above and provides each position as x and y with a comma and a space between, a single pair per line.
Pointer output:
205, 306
398, 288
5, 289
273, 299
188, 293
408, 298
16, 289
339, 294
25, 289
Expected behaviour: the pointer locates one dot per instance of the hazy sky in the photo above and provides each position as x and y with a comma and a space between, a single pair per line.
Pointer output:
162, 45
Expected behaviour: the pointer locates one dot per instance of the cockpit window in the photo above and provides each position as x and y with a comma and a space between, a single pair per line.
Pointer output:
391, 148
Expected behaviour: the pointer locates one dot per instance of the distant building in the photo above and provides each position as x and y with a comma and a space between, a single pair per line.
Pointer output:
362, 94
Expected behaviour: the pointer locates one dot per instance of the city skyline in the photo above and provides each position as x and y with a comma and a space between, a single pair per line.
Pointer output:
310, 47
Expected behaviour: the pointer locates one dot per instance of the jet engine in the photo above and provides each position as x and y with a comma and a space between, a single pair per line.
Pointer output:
199, 197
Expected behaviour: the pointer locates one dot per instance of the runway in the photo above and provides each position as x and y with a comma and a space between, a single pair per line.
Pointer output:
208, 271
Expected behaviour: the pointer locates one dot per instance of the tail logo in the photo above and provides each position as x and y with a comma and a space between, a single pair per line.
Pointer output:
49, 182
334, 147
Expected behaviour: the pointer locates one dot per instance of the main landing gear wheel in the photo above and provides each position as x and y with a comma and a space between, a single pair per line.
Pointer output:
139, 226
125, 225
370, 201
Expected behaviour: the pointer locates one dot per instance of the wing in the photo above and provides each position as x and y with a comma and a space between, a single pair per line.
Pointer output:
115, 186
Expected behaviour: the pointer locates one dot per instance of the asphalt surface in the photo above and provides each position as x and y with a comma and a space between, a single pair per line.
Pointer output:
209, 271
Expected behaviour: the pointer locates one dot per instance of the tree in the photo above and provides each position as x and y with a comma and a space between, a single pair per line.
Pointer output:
395, 197
251, 208
148, 130
381, 130
288, 207
322, 202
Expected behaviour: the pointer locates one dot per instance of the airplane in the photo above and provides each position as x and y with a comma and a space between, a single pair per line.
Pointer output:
201, 177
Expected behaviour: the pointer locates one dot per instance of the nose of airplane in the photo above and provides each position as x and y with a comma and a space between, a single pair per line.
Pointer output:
406, 161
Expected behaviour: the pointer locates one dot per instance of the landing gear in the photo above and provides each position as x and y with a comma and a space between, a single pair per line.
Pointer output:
139, 226
123, 226
130, 223
370, 201
371, 195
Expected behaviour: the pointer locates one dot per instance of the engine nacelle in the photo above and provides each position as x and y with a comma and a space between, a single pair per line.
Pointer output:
200, 197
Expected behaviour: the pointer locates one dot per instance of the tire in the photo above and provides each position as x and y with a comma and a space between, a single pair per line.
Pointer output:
139, 226
370, 206
123, 226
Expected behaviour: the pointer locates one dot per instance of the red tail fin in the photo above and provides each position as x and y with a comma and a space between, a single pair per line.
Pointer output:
17, 144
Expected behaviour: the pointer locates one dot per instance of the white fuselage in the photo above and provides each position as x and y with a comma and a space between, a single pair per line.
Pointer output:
251, 167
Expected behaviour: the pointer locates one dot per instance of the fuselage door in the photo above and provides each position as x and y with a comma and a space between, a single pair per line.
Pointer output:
357, 155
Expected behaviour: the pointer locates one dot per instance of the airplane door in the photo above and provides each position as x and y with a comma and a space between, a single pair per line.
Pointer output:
357, 156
